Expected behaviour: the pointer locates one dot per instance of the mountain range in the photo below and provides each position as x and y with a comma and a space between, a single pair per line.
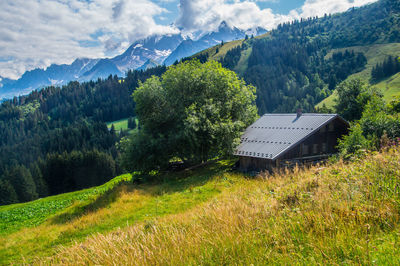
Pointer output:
152, 51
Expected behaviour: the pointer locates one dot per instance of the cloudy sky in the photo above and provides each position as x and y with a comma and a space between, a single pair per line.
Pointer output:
37, 33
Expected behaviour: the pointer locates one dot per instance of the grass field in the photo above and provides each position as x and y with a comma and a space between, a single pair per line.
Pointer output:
41, 227
341, 213
121, 124
374, 54
345, 213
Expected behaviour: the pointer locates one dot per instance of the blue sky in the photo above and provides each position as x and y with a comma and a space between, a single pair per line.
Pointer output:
280, 7
37, 33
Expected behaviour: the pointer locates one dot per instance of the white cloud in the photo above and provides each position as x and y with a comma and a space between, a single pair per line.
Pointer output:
37, 33
312, 8
207, 14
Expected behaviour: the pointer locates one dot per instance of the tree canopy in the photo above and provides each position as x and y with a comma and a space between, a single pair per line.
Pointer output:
193, 113
353, 96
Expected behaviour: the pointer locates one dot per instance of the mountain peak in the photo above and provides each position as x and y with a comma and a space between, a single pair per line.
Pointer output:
223, 25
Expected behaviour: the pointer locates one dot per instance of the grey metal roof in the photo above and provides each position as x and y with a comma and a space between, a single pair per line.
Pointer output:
273, 134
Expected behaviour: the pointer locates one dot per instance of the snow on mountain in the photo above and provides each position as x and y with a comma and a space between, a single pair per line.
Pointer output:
143, 54
225, 32
156, 48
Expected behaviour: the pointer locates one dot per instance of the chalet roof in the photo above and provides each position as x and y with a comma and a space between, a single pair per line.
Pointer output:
274, 134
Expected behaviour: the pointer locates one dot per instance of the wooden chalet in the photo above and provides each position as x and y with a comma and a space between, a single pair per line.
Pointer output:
277, 140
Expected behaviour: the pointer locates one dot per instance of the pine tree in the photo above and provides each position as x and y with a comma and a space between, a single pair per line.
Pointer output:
7, 193
37, 176
21, 179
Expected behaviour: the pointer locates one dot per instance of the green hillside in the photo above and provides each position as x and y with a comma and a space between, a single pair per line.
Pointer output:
299, 64
218, 52
342, 213
121, 124
390, 87
39, 228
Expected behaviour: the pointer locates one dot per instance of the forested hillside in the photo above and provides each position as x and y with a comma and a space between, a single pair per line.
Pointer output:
56, 140
292, 66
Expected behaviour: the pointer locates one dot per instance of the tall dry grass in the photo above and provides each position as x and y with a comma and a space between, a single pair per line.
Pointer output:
344, 213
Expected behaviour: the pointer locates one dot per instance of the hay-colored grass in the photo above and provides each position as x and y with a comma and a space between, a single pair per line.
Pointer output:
344, 213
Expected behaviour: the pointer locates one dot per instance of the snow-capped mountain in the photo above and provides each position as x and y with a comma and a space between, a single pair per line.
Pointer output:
155, 48
53, 75
225, 32
143, 54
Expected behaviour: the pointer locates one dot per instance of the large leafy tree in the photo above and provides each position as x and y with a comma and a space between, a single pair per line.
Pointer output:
353, 96
195, 112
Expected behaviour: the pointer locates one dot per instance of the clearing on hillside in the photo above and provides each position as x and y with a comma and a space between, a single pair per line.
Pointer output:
376, 53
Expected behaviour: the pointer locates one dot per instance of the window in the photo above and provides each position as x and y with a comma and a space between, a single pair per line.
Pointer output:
331, 127
323, 147
304, 149
315, 149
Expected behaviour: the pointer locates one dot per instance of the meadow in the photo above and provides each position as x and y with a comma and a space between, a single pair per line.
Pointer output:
342, 213
338, 213
121, 124
39, 228
376, 53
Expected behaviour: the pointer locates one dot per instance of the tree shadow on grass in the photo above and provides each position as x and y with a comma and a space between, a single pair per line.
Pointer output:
80, 209
171, 182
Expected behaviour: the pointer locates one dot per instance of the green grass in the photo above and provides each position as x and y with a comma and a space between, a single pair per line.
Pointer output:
40, 227
222, 50
375, 54
23, 215
390, 87
122, 124
343, 213
243, 61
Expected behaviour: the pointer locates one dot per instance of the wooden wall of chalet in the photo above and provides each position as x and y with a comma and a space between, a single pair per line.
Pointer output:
318, 145
322, 142
255, 164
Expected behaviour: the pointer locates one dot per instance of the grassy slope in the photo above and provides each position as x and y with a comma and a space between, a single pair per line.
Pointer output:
121, 124
339, 214
242, 64
212, 51
40, 227
375, 54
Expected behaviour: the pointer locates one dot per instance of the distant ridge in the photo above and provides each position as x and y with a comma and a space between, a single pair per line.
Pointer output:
143, 54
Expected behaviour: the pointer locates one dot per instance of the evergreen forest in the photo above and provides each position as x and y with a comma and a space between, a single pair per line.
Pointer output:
56, 140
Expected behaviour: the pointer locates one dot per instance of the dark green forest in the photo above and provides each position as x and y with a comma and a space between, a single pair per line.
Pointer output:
56, 140
387, 68
292, 67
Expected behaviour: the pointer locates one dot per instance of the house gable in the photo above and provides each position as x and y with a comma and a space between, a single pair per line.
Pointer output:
289, 136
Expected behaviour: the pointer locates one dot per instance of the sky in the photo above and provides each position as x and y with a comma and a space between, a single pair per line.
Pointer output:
37, 33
